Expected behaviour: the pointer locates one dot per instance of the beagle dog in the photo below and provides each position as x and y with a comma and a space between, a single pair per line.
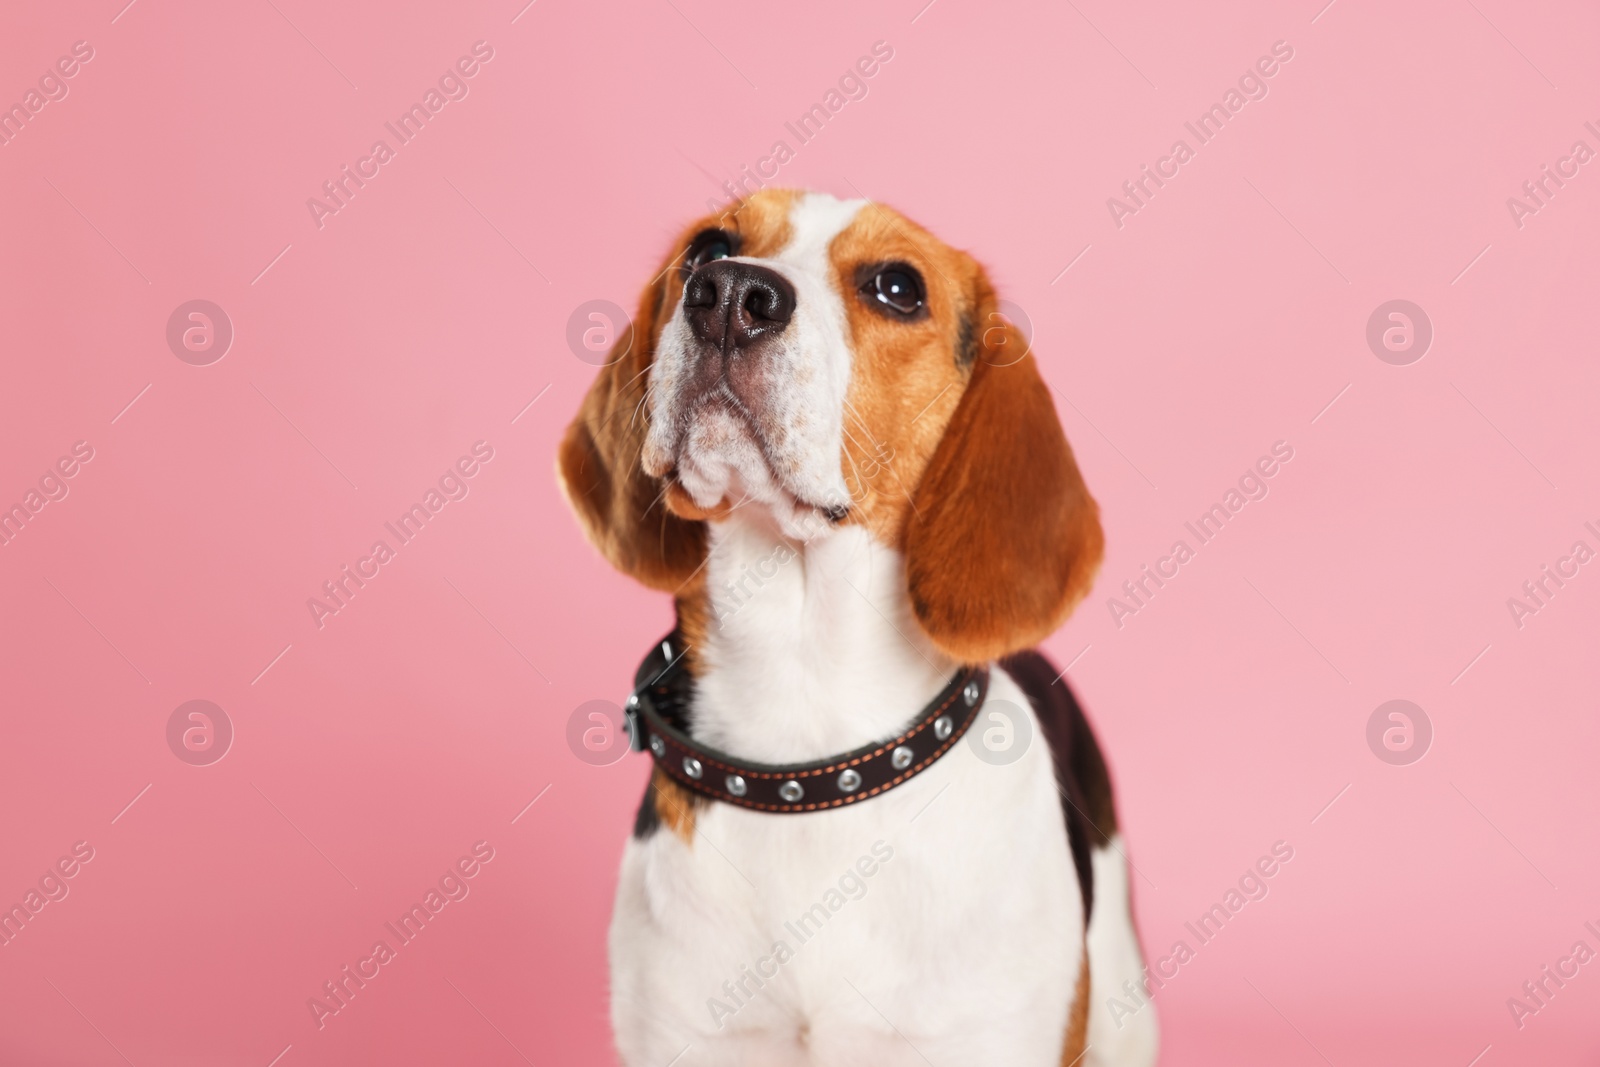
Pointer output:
820, 436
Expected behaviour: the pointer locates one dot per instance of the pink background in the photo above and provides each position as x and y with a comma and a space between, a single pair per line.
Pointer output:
425, 316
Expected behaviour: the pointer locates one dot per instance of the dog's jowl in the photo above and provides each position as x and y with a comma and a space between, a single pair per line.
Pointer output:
825, 443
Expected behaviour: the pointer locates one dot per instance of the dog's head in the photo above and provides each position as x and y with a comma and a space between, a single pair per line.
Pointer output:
821, 363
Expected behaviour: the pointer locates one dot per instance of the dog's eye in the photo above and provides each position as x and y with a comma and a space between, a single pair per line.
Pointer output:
708, 246
895, 287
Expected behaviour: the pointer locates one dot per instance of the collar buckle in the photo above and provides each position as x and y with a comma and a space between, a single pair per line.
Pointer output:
630, 716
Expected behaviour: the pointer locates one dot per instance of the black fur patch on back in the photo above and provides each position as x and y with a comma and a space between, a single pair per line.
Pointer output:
1081, 775
647, 821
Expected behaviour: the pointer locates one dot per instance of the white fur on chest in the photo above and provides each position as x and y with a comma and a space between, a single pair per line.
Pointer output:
763, 939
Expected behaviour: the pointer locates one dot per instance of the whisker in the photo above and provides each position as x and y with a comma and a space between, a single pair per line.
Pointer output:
850, 409
860, 481
665, 485
629, 383
865, 429
856, 442
853, 440
639, 406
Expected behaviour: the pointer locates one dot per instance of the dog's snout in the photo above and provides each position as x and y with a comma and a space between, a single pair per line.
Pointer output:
732, 305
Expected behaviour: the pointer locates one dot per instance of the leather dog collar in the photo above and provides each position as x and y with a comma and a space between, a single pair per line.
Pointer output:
656, 714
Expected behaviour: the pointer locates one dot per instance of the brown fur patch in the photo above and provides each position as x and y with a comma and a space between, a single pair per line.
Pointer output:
657, 538
695, 616
618, 505
905, 379
676, 807
1003, 538
761, 222
953, 451
1076, 1044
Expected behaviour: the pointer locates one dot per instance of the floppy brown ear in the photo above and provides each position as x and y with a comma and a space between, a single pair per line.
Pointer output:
1003, 538
620, 507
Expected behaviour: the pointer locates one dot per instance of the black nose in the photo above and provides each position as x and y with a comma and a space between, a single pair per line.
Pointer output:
732, 305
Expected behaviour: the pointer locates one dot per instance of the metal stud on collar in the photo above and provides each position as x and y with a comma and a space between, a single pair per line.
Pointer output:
657, 715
